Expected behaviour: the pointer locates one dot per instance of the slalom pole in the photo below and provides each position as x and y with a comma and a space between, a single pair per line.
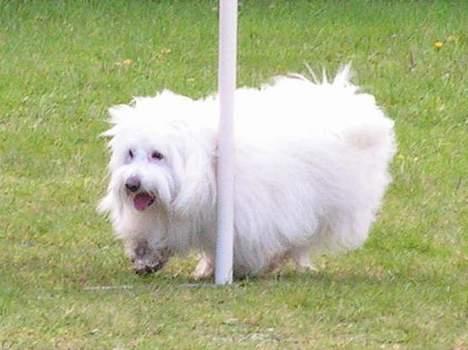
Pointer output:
225, 166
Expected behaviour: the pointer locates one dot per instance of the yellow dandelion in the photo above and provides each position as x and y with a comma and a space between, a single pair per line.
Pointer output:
127, 62
438, 44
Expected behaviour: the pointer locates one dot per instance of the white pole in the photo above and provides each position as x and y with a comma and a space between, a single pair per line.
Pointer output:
225, 181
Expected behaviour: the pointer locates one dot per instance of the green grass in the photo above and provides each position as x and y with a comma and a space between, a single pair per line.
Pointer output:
62, 63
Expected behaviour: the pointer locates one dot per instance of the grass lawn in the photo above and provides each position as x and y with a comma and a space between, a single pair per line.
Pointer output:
64, 281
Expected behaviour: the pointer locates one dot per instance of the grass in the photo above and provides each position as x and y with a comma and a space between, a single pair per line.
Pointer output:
63, 63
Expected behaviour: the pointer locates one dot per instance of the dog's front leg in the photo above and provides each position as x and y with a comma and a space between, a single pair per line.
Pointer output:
205, 267
146, 258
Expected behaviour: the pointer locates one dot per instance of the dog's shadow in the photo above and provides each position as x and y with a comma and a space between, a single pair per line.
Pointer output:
178, 273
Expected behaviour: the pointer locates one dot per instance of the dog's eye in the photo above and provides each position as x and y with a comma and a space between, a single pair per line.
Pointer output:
130, 154
156, 155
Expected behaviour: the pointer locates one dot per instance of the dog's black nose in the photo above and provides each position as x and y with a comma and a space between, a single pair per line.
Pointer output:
133, 183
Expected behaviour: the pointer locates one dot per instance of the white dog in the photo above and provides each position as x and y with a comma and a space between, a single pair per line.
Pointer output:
311, 168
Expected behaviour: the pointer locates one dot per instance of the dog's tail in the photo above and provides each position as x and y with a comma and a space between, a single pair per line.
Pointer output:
342, 78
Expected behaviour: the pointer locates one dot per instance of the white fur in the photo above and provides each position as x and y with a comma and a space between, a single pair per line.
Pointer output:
311, 168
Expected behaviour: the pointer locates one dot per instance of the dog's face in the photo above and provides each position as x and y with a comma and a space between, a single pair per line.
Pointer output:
143, 173
160, 159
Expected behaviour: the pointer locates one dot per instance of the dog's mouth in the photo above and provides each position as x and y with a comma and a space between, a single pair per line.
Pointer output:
143, 200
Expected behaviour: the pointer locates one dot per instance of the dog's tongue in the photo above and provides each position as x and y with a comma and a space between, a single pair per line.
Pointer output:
142, 201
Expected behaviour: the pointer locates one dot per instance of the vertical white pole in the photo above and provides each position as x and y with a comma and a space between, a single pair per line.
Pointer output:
225, 166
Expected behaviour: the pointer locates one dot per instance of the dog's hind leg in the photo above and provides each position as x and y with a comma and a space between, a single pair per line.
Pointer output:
301, 257
205, 268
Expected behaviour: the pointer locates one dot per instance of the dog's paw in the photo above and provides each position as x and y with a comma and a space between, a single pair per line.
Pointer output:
145, 268
309, 268
147, 260
301, 258
204, 269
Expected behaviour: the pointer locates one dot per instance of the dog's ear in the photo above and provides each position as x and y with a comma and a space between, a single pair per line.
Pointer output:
117, 116
197, 186
111, 207
120, 113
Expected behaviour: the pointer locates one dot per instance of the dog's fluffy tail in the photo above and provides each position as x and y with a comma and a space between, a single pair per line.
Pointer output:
344, 75
342, 78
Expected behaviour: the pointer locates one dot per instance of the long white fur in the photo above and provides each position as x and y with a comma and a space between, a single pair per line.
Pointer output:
311, 168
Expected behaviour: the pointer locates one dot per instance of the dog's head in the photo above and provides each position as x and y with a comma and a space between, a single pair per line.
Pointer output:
161, 156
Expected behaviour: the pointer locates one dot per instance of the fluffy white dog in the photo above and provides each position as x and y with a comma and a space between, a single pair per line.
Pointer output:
311, 168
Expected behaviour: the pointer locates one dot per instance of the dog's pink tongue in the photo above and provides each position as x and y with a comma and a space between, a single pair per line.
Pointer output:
142, 201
